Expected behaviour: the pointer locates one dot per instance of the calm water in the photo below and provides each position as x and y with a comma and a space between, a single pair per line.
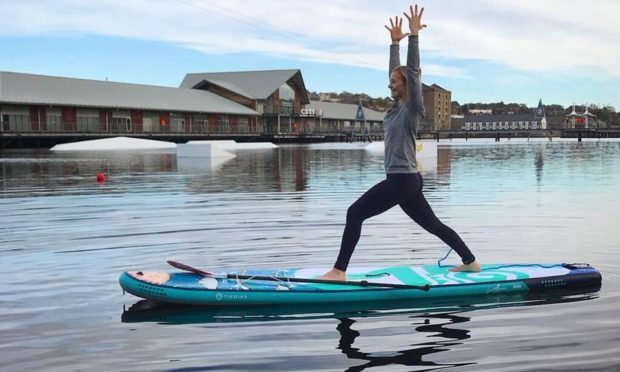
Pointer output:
64, 239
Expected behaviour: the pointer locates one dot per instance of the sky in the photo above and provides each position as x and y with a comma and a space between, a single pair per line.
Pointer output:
561, 51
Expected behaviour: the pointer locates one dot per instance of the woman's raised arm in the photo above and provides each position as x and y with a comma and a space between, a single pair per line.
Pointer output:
414, 84
396, 35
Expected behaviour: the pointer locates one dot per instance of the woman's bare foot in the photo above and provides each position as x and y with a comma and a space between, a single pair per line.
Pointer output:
334, 274
473, 267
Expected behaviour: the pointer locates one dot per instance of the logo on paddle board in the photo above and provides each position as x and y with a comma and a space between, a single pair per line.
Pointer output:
220, 296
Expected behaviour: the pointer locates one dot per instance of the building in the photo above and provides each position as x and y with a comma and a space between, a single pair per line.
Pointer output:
480, 111
327, 97
456, 122
270, 103
481, 122
277, 95
332, 117
437, 107
59, 105
575, 120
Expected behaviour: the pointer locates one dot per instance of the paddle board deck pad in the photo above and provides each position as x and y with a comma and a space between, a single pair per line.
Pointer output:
298, 286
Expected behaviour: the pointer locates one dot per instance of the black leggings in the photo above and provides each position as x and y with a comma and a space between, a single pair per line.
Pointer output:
404, 189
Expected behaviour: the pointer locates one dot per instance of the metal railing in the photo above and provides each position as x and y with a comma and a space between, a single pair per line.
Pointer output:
101, 128
112, 128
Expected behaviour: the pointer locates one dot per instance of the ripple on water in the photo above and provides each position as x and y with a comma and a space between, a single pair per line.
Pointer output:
64, 239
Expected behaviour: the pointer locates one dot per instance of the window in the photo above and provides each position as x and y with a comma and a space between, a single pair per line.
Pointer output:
201, 124
5, 122
286, 108
87, 124
121, 124
222, 124
87, 120
287, 100
54, 119
287, 93
177, 122
16, 122
243, 124
120, 121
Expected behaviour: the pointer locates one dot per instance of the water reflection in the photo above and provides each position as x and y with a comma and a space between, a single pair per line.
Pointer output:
412, 356
64, 239
539, 163
439, 325
153, 311
288, 169
201, 165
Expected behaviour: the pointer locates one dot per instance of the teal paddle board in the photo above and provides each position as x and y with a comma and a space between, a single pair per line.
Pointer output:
303, 286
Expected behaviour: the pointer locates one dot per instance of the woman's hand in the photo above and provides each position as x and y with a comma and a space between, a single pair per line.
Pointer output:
396, 32
415, 23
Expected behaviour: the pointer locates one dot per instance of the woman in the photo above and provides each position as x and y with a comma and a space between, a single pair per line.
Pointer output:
403, 183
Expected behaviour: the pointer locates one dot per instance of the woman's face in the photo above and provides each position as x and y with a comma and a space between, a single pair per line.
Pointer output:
397, 85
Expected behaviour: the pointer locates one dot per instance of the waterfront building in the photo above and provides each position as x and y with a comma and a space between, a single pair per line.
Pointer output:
456, 121
585, 120
484, 122
333, 117
270, 104
437, 107
39, 104
278, 96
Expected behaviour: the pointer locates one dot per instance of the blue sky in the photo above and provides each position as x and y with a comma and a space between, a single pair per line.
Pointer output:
481, 50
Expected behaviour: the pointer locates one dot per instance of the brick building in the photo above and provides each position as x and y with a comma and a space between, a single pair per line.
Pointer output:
437, 107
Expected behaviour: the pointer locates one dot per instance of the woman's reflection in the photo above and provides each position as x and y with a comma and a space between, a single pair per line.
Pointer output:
445, 339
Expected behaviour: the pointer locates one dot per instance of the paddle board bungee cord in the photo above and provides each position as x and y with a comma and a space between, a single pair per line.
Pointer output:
363, 283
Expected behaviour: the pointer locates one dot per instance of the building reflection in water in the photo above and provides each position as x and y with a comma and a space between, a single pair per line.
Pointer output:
539, 162
285, 169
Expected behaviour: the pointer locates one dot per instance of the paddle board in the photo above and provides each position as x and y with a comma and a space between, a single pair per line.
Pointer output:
301, 286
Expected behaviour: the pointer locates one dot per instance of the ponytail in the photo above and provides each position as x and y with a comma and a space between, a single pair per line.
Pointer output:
402, 72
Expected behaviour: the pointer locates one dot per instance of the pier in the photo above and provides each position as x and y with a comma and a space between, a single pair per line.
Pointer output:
42, 139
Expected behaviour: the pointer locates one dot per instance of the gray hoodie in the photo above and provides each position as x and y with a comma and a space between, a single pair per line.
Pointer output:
403, 118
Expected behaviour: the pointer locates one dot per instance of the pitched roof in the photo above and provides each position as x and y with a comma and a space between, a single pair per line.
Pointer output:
249, 84
344, 111
434, 86
540, 110
21, 88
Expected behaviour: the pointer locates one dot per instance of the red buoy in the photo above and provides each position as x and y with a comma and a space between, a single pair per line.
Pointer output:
100, 177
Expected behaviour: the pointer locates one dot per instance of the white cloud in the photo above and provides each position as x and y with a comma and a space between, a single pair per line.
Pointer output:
551, 36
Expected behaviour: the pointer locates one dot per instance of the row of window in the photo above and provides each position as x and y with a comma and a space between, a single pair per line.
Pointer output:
503, 123
316, 125
176, 123
493, 126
